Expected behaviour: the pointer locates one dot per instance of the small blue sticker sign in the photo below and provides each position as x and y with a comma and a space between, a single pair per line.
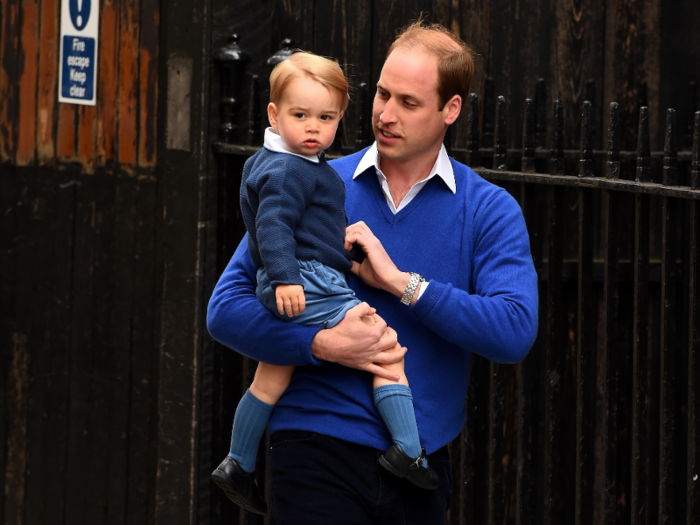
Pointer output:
79, 13
77, 77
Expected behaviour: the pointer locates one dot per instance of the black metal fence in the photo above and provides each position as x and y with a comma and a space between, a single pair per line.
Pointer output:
598, 425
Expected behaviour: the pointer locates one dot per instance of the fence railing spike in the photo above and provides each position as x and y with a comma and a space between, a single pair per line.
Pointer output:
614, 141
489, 112
691, 109
473, 154
585, 163
232, 61
527, 163
254, 116
284, 52
670, 170
695, 163
556, 162
643, 147
501, 136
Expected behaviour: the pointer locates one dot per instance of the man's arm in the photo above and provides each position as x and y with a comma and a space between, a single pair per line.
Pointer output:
498, 320
237, 319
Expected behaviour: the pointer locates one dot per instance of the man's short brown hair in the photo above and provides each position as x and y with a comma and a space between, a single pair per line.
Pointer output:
454, 57
322, 70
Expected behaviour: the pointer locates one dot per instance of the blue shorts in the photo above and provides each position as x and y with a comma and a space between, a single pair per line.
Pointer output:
325, 289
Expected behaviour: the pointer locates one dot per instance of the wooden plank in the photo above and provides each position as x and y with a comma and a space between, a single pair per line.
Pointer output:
148, 82
44, 269
87, 132
471, 21
67, 139
48, 82
294, 20
502, 443
15, 466
128, 130
29, 60
577, 56
387, 18
143, 375
631, 56
9, 79
108, 85
88, 409
346, 38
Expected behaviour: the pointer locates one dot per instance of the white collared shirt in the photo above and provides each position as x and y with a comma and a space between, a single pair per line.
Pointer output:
442, 168
274, 142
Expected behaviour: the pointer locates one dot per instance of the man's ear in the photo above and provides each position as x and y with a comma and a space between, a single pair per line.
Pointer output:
452, 109
272, 114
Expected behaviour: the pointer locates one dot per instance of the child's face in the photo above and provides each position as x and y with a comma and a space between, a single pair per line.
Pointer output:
307, 116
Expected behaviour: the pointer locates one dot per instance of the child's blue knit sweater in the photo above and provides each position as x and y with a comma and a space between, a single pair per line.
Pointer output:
473, 248
293, 209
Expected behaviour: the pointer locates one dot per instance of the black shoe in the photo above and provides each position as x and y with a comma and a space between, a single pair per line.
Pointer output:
399, 464
239, 486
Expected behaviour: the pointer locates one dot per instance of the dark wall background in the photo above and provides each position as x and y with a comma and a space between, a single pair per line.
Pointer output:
114, 403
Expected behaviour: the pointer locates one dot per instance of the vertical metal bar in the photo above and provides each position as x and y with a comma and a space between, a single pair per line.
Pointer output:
541, 112
556, 162
585, 363
609, 353
528, 485
669, 347
614, 140
641, 428
555, 480
473, 154
693, 437
501, 146
497, 451
489, 112
528, 159
585, 163
254, 116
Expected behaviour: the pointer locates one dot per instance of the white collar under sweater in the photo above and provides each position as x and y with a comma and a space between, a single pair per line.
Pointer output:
442, 168
274, 142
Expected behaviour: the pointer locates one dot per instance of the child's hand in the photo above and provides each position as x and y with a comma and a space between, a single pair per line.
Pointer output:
290, 299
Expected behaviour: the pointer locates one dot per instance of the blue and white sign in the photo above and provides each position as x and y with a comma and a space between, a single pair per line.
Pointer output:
79, 39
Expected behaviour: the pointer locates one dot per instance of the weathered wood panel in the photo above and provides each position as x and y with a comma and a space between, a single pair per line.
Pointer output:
9, 75
48, 82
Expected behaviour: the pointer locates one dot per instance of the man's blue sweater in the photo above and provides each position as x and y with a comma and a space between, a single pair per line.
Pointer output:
293, 209
473, 248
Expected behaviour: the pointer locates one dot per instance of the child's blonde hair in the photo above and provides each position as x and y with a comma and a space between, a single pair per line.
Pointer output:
322, 70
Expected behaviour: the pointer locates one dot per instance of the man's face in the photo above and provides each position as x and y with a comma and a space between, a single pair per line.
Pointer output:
406, 121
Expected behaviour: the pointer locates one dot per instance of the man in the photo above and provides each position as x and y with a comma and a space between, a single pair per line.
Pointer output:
420, 212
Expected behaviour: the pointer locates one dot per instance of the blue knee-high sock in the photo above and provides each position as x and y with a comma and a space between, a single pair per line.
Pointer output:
395, 404
248, 426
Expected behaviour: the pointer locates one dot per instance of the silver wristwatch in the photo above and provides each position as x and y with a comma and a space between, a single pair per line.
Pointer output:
411, 288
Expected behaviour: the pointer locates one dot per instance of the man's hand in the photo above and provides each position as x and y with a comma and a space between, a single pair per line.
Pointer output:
377, 269
361, 340
290, 299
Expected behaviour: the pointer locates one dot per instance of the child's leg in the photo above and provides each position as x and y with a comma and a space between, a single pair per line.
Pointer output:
254, 411
395, 404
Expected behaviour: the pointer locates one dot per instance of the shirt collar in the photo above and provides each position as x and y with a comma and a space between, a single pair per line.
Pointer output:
274, 142
442, 167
